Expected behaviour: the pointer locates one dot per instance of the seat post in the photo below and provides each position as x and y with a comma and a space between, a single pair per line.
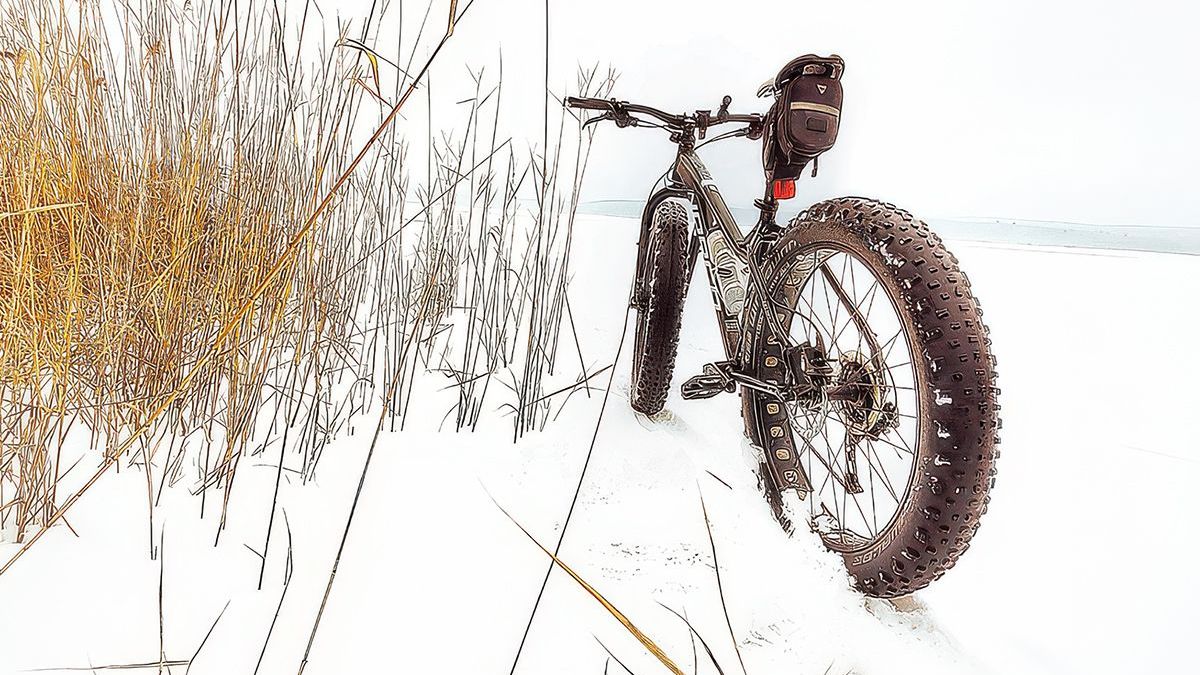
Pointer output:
766, 231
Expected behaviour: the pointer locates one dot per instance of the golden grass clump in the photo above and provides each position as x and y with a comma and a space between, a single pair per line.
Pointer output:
148, 180
167, 291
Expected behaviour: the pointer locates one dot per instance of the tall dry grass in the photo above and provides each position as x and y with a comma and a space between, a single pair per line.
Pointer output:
158, 161
143, 195
511, 302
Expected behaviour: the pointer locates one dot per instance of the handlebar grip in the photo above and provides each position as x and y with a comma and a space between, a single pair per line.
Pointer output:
589, 103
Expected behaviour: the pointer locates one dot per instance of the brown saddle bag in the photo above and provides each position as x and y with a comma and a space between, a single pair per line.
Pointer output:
803, 122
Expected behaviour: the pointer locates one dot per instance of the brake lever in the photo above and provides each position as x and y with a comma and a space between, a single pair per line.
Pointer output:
598, 118
621, 117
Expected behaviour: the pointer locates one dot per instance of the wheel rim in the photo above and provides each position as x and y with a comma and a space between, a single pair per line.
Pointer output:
866, 437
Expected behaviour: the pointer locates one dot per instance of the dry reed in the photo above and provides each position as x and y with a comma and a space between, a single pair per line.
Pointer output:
159, 165
146, 189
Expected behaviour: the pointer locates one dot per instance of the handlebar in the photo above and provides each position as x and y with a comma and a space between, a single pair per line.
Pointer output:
625, 108
622, 113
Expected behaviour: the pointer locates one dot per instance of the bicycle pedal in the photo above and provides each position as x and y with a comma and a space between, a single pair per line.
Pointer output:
706, 385
702, 386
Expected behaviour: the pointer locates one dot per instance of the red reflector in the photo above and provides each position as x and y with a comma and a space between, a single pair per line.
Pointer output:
784, 189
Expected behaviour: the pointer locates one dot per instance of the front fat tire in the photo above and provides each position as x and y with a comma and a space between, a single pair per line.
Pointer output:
663, 289
955, 462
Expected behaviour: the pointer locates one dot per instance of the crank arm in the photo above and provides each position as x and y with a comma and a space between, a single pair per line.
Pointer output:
756, 384
723, 376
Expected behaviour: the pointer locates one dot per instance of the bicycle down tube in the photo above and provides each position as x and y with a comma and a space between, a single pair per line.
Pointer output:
724, 246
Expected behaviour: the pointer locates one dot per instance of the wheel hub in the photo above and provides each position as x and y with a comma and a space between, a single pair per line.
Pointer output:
864, 406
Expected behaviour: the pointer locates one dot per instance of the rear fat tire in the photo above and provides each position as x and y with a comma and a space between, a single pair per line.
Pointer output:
954, 470
662, 289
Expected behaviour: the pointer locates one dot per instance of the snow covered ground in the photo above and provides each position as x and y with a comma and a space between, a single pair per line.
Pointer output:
1081, 566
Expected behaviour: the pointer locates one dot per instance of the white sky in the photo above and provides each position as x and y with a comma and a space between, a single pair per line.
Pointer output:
1073, 111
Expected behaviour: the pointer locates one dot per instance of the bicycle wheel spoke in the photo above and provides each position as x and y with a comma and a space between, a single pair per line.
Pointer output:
879, 470
841, 474
866, 341
851, 322
904, 448
867, 314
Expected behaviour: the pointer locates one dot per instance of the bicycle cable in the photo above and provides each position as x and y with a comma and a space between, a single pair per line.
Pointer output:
721, 137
